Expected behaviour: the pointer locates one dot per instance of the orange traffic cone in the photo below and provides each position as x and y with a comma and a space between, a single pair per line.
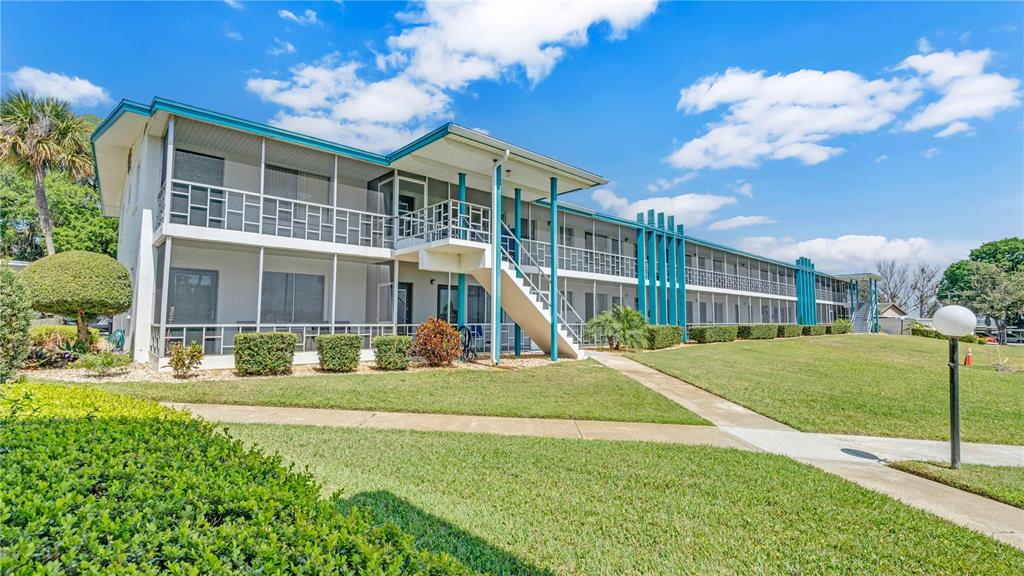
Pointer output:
969, 359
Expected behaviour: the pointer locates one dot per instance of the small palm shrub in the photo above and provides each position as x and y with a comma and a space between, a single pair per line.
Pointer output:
392, 352
757, 331
14, 323
103, 364
264, 353
705, 334
662, 336
437, 342
789, 330
620, 326
339, 352
185, 359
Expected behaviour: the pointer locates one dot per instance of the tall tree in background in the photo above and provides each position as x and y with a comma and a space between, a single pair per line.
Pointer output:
996, 293
1007, 253
42, 135
924, 286
895, 283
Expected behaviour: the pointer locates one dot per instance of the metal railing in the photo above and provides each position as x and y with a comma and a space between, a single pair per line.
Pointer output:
829, 296
219, 339
198, 204
541, 287
711, 279
583, 259
447, 219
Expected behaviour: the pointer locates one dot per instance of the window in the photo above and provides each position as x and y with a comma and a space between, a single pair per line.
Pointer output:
199, 168
292, 298
296, 185
193, 297
448, 303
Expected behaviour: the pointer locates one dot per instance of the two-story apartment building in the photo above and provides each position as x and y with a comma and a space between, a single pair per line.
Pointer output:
229, 226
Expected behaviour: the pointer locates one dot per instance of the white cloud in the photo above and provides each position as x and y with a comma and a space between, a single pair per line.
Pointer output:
234, 4
931, 153
740, 222
882, 158
954, 128
481, 130
281, 47
308, 17
231, 34
924, 46
77, 91
965, 37
967, 91
689, 209
442, 47
662, 184
856, 253
785, 116
743, 188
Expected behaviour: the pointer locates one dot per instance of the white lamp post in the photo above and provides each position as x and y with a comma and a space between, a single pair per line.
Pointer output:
954, 322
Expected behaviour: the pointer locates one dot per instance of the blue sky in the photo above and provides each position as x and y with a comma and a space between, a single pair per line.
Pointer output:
843, 132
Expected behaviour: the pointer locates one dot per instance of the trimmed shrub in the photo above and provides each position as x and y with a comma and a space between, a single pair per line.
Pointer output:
185, 359
263, 353
918, 329
757, 331
80, 285
103, 363
437, 342
100, 483
14, 322
841, 326
659, 336
813, 330
705, 334
789, 330
339, 352
392, 352
54, 335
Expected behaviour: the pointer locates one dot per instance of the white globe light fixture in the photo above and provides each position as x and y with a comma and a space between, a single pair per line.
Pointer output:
954, 322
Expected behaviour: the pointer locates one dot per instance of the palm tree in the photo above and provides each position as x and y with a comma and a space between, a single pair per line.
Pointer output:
39, 135
620, 326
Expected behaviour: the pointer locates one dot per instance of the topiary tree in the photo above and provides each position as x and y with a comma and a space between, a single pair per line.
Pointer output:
14, 322
79, 285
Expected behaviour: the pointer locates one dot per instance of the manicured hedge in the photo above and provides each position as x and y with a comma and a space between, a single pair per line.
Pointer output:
789, 330
95, 483
339, 352
841, 326
43, 334
392, 352
922, 330
757, 331
813, 330
705, 334
263, 353
657, 336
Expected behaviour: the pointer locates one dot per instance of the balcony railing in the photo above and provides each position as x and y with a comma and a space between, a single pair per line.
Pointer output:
583, 259
829, 296
712, 279
197, 204
447, 219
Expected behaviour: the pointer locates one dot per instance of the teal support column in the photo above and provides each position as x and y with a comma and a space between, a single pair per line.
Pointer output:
461, 296
496, 266
652, 270
662, 276
814, 294
804, 292
681, 275
553, 205
670, 270
516, 255
641, 266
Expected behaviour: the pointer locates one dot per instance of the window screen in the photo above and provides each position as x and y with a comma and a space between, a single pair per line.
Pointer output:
199, 168
296, 185
292, 298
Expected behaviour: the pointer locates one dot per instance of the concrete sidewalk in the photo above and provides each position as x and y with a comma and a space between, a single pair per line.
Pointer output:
543, 427
859, 459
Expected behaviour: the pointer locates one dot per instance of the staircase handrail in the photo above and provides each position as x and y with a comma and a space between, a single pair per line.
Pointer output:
544, 276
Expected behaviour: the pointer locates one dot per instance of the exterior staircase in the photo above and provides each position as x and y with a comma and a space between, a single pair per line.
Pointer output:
451, 243
861, 318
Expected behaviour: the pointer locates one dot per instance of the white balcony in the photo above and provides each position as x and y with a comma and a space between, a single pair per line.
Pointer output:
711, 279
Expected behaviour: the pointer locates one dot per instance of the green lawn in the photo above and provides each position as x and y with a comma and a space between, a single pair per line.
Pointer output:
858, 384
547, 506
1003, 483
584, 390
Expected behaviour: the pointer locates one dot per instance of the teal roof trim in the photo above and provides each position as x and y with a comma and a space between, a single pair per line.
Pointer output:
428, 138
